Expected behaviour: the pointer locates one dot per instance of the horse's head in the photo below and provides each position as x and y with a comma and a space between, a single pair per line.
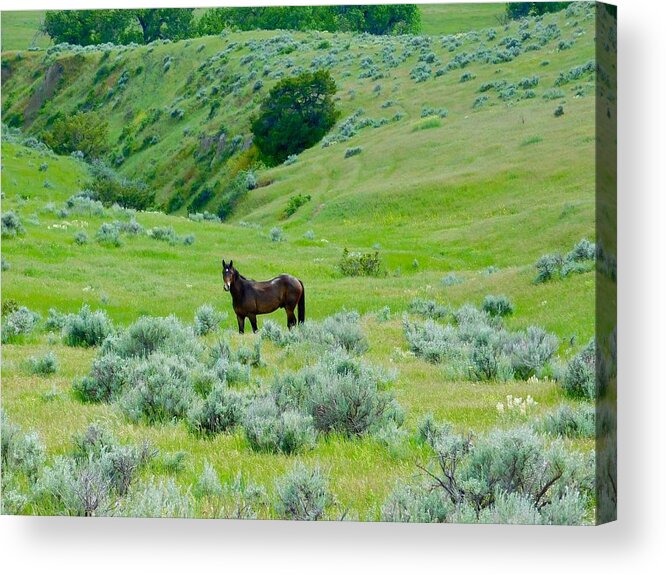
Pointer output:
229, 274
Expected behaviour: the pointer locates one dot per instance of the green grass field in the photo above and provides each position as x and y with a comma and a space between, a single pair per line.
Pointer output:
457, 18
494, 187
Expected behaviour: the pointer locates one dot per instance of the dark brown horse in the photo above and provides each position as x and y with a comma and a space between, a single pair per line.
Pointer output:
251, 298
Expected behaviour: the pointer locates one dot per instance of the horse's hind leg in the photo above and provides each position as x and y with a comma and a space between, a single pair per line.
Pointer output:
253, 321
241, 323
291, 318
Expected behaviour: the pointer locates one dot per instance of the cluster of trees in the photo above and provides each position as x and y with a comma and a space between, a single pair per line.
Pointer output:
297, 113
374, 19
85, 27
517, 10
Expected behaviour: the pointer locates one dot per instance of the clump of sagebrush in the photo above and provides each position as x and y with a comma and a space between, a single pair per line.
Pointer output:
80, 238
221, 410
83, 204
207, 319
384, 314
94, 478
87, 328
18, 322
119, 362
157, 389
6, 266
477, 345
580, 259
11, 225
507, 476
108, 235
22, 453
309, 235
302, 494
451, 279
268, 428
157, 498
341, 394
339, 331
354, 151
276, 234
429, 308
359, 264
208, 483
568, 421
247, 497
579, 377
44, 364
163, 234
497, 305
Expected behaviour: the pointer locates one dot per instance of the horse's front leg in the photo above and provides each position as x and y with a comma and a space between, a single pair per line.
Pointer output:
253, 322
241, 323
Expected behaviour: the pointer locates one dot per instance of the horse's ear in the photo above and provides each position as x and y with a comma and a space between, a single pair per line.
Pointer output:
231, 263
224, 265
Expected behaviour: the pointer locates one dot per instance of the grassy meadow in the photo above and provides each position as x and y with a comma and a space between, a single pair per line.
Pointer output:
480, 191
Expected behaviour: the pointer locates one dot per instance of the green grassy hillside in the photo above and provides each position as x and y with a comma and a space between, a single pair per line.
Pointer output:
480, 191
457, 18
20, 30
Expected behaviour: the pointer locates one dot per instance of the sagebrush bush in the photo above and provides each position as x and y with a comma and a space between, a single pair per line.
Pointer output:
478, 346
339, 331
276, 234
207, 319
354, 151
451, 279
208, 483
429, 308
108, 235
21, 453
150, 334
19, 322
221, 410
44, 364
548, 267
157, 498
341, 394
568, 421
579, 379
302, 494
11, 225
105, 379
268, 428
157, 389
508, 476
87, 328
497, 305
80, 238
163, 234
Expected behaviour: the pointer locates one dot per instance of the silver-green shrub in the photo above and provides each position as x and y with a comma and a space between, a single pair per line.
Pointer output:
87, 328
44, 364
302, 494
579, 379
497, 305
221, 410
568, 421
429, 308
19, 322
207, 319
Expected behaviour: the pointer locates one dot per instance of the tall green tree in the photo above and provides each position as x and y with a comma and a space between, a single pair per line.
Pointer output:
85, 27
295, 115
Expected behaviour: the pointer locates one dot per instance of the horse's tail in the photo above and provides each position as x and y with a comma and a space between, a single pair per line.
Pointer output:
301, 304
